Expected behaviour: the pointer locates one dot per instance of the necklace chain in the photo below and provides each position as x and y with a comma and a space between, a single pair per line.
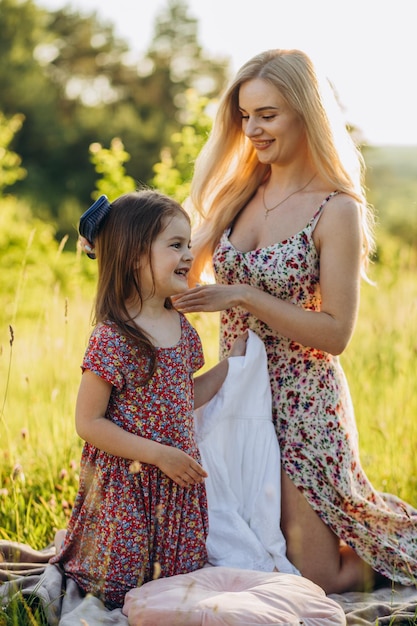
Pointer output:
268, 211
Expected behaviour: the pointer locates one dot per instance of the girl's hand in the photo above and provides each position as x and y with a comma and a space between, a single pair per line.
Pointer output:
87, 247
239, 345
180, 467
208, 298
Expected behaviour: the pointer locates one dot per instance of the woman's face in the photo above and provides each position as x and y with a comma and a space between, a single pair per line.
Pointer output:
276, 131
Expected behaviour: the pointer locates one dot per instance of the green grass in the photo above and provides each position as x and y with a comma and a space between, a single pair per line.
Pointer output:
380, 364
40, 451
41, 348
23, 611
40, 372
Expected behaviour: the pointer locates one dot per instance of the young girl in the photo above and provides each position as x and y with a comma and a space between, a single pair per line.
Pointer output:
141, 509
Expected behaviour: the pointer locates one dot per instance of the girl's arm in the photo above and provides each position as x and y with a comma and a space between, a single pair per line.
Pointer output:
208, 384
92, 426
338, 239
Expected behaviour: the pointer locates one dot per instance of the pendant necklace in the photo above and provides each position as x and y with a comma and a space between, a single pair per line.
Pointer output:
268, 211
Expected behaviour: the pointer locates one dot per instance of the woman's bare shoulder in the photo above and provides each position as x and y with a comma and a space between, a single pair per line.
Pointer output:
340, 218
341, 207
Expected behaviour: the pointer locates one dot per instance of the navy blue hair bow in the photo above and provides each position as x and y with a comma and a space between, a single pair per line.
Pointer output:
93, 217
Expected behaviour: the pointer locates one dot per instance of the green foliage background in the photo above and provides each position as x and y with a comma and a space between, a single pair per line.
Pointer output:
74, 83
45, 320
47, 285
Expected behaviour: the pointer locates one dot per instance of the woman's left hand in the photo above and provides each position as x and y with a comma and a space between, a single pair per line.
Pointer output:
239, 345
207, 298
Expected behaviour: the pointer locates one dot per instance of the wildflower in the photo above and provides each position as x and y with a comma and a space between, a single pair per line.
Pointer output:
63, 473
4, 492
24, 433
52, 502
66, 507
17, 473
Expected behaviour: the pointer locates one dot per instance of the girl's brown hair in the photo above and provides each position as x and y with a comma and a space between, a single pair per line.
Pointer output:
126, 237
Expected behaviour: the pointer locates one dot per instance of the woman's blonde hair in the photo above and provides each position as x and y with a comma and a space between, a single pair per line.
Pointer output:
227, 171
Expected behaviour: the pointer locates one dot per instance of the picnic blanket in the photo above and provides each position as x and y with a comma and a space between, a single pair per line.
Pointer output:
26, 571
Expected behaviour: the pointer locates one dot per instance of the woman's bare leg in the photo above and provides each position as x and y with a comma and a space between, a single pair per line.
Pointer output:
315, 550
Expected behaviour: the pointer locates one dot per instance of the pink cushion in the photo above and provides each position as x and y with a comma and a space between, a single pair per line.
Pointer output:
221, 596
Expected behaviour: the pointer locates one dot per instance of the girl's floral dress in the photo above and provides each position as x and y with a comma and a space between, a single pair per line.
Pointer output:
312, 409
132, 523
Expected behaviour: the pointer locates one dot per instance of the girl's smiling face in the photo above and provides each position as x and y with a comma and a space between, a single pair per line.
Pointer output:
171, 260
276, 131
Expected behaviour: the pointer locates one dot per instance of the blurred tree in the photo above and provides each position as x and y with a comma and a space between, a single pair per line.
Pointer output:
154, 102
174, 171
109, 163
176, 63
48, 72
76, 84
10, 162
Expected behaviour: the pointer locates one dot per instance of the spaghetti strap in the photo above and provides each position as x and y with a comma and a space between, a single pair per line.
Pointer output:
317, 214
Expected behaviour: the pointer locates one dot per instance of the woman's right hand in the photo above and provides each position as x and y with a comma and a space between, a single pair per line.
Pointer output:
180, 467
208, 298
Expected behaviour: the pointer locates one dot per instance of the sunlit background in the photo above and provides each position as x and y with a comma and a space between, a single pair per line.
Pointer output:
367, 48
78, 118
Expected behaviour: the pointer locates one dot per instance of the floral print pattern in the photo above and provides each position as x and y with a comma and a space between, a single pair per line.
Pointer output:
132, 524
312, 409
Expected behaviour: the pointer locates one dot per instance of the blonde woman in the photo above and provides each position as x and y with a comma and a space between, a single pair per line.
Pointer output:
287, 228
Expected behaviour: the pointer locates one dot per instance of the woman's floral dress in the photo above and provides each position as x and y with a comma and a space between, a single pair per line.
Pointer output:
312, 409
131, 524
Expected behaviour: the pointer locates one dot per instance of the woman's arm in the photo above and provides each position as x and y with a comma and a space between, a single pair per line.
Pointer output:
338, 240
92, 426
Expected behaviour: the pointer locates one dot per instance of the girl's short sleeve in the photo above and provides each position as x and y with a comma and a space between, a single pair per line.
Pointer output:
195, 347
104, 355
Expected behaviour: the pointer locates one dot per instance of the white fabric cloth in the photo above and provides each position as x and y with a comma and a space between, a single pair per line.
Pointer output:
240, 452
